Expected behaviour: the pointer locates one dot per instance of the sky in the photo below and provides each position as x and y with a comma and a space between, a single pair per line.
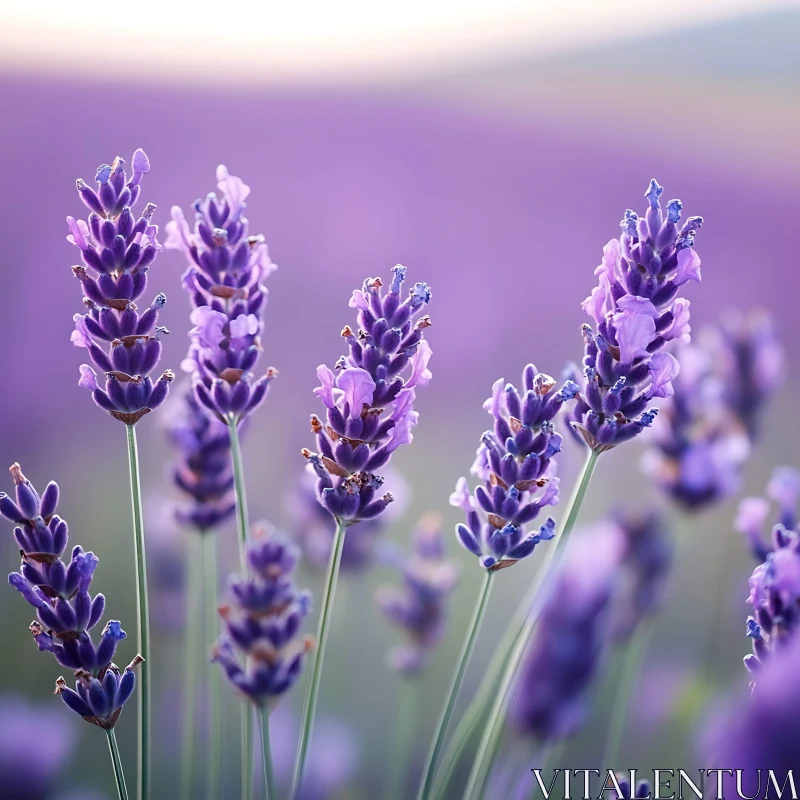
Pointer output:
319, 40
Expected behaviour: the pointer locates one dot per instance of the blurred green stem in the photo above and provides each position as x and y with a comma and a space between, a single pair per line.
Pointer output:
239, 489
493, 729
248, 777
266, 757
143, 619
192, 661
429, 773
119, 775
211, 674
312, 690
407, 702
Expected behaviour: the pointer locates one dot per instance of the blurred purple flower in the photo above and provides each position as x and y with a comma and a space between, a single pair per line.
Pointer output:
263, 616
419, 608
570, 639
166, 575
514, 461
369, 401
118, 250
636, 312
224, 279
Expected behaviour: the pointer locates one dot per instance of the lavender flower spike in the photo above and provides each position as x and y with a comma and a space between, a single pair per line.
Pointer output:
224, 279
514, 462
118, 249
65, 609
636, 313
420, 607
370, 398
262, 621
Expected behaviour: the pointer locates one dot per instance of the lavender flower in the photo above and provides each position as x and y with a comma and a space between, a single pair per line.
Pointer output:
203, 474
65, 609
514, 462
570, 639
370, 404
636, 311
118, 250
262, 620
224, 279
643, 788
419, 608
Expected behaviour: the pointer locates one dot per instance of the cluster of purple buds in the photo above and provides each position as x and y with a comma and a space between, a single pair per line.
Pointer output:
262, 619
370, 398
118, 249
224, 279
643, 788
775, 583
636, 313
419, 608
645, 565
204, 473
65, 609
570, 639
515, 463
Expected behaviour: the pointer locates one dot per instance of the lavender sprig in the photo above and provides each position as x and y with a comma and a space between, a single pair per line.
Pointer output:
636, 312
118, 250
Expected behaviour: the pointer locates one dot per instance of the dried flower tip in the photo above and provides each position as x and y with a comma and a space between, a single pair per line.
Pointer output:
16, 473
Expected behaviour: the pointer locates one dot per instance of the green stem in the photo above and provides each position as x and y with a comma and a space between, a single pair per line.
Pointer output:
266, 758
633, 658
312, 691
495, 722
192, 662
426, 784
143, 619
407, 702
211, 675
247, 751
119, 775
239, 489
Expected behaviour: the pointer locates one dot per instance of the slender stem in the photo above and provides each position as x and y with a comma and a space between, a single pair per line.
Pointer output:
247, 751
119, 775
495, 722
239, 489
633, 657
143, 619
211, 676
407, 702
312, 690
266, 758
192, 662
426, 784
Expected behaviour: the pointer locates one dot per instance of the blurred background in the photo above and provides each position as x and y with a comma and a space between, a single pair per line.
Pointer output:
491, 147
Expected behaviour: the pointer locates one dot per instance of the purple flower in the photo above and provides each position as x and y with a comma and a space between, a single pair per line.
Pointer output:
118, 250
262, 620
370, 398
514, 463
65, 609
224, 279
636, 313
570, 638
419, 608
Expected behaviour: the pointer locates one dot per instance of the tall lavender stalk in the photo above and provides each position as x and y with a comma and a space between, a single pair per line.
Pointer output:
117, 250
369, 401
224, 279
66, 611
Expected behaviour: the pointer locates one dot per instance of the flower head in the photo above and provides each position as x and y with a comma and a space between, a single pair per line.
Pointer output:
122, 338
636, 312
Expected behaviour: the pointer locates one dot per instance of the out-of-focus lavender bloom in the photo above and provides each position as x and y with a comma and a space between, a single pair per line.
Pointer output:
636, 313
203, 473
570, 639
514, 462
645, 565
370, 398
27, 768
118, 250
65, 609
419, 608
313, 527
166, 576
224, 279
263, 616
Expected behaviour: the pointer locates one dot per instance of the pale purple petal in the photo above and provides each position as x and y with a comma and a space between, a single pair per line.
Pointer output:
784, 567
550, 495
461, 497
260, 262
599, 301
78, 233
234, 189
405, 418
244, 325
664, 368
784, 487
325, 391
688, 266
88, 379
611, 263
637, 305
358, 388
635, 331
420, 374
680, 328
359, 301
751, 519
494, 404
179, 235
80, 336
209, 324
